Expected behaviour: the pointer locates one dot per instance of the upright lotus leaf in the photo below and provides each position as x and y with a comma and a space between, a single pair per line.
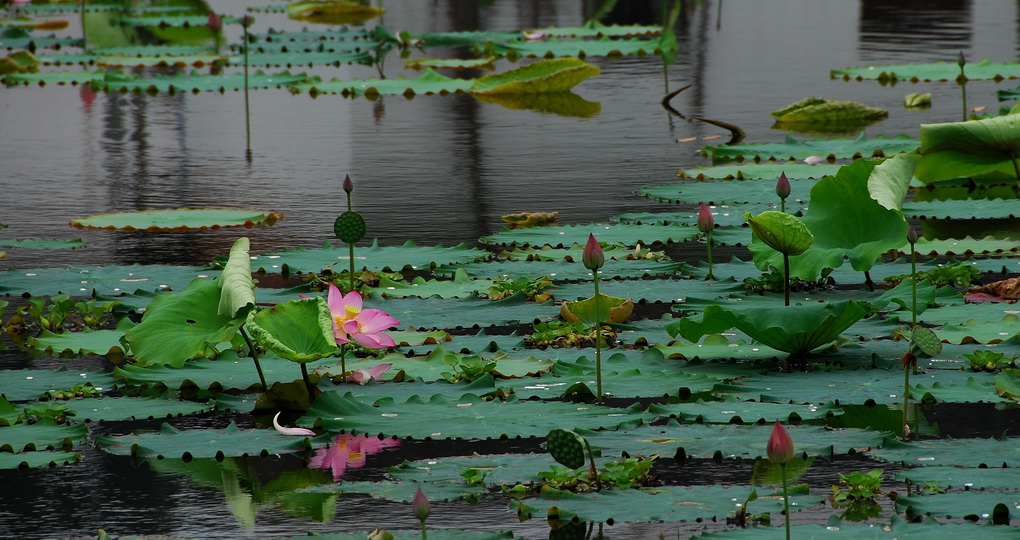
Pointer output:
889, 181
610, 309
821, 116
781, 231
796, 329
300, 330
179, 327
237, 290
559, 75
985, 149
845, 222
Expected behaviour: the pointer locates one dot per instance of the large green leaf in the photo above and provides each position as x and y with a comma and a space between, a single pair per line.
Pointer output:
179, 219
31, 384
781, 231
182, 326
796, 329
112, 280
466, 418
969, 478
754, 171
981, 148
951, 452
935, 71
541, 77
299, 330
889, 181
861, 147
845, 221
202, 443
237, 289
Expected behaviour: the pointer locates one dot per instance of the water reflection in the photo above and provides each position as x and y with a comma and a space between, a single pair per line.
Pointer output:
348, 450
937, 29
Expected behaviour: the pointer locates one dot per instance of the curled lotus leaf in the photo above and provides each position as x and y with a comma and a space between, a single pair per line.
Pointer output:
781, 231
332, 12
300, 330
610, 309
558, 75
178, 219
827, 111
977, 148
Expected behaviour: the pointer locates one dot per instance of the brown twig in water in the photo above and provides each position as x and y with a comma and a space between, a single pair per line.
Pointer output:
665, 101
738, 134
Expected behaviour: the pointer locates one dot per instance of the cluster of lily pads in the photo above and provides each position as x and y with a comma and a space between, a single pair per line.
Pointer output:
707, 380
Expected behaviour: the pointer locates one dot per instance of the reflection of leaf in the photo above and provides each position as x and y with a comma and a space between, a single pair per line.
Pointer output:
559, 75
561, 103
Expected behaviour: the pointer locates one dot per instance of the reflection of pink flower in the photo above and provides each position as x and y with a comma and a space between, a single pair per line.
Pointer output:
351, 322
348, 451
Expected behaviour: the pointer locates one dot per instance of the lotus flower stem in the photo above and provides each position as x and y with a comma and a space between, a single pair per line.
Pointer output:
598, 341
343, 358
254, 353
350, 249
786, 499
786, 278
308, 383
962, 79
909, 364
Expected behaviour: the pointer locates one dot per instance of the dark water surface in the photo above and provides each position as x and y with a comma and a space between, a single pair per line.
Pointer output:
433, 169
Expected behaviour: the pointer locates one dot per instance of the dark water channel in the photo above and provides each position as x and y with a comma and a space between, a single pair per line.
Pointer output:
435, 170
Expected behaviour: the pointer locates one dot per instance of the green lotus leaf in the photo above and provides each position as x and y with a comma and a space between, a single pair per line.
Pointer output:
42, 435
753, 171
428, 82
579, 48
794, 149
31, 384
288, 57
133, 408
563, 270
451, 63
37, 459
179, 219
781, 231
194, 82
826, 116
734, 411
228, 372
440, 360
976, 148
19, 62
990, 332
375, 258
237, 289
889, 181
182, 326
796, 329
935, 71
567, 235
670, 503
845, 221
171, 442
609, 309
332, 11
159, 61
950, 452
300, 330
469, 417
899, 529
971, 505
729, 192
544, 76
86, 342
104, 280
970, 478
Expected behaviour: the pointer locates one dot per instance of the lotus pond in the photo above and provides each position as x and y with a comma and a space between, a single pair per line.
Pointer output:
534, 190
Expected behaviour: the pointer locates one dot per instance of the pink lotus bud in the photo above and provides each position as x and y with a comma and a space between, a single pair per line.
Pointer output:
247, 20
780, 445
912, 235
961, 61
215, 23
783, 187
705, 220
592, 257
420, 506
348, 184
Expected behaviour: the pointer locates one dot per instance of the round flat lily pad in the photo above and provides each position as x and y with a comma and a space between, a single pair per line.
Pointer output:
178, 219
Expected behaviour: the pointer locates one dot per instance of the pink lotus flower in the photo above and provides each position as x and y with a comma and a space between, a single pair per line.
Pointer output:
348, 451
420, 506
300, 431
780, 445
592, 256
350, 322
706, 223
215, 23
362, 376
783, 186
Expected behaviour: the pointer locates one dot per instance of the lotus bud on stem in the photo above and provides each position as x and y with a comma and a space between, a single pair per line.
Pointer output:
593, 259
706, 223
421, 509
962, 79
783, 190
780, 451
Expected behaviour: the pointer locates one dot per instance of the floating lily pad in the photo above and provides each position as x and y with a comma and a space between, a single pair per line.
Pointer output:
428, 82
753, 171
37, 459
375, 258
970, 478
42, 435
42, 243
968, 505
29, 384
936, 71
950, 452
861, 147
180, 219
202, 443
578, 234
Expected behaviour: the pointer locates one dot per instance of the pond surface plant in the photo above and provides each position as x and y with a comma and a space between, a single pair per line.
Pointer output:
462, 400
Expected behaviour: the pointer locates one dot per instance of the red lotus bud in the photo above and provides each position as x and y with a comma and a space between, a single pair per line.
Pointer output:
215, 23
593, 257
247, 20
348, 185
912, 235
783, 187
705, 220
420, 506
780, 445
961, 61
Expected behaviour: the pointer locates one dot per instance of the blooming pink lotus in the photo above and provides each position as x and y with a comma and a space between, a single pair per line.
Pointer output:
350, 322
348, 451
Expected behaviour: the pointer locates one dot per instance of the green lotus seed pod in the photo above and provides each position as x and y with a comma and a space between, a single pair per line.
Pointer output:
566, 447
926, 342
350, 227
